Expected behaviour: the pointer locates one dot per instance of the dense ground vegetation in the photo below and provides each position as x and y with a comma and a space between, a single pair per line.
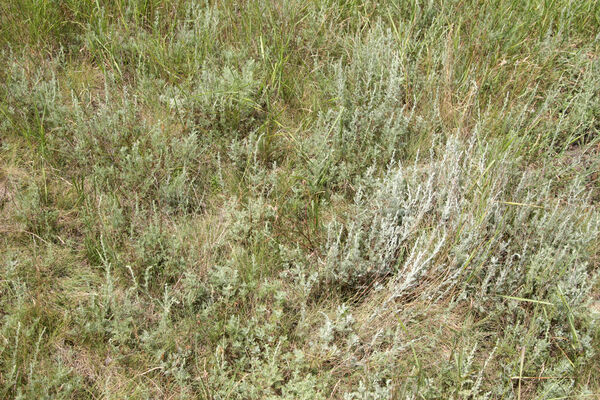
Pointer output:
330, 199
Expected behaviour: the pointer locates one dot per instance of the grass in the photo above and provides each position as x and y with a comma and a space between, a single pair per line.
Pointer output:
299, 200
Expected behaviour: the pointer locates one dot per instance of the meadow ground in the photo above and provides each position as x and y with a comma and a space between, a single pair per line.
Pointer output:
328, 199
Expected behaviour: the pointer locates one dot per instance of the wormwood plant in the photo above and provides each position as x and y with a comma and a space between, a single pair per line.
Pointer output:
299, 200
426, 235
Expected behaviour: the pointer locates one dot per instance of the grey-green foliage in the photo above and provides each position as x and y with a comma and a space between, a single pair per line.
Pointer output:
110, 141
164, 49
299, 200
22, 344
223, 99
369, 119
465, 211
472, 220
32, 105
